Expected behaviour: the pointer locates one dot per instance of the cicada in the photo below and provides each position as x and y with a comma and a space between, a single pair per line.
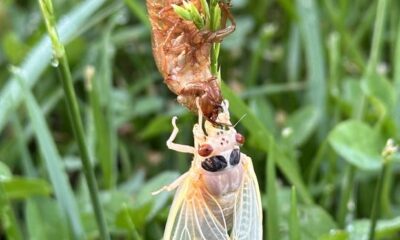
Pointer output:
182, 54
219, 197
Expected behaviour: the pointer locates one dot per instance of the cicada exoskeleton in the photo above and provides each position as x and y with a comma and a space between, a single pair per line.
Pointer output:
182, 54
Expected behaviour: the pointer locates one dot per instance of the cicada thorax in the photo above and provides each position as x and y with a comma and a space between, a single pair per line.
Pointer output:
182, 55
220, 168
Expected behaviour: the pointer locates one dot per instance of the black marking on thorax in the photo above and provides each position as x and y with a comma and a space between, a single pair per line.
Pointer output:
214, 163
218, 162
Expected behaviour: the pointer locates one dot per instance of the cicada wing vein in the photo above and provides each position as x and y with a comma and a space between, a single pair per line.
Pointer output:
195, 214
247, 214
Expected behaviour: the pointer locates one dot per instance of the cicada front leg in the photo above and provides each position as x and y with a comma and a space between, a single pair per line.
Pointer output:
175, 146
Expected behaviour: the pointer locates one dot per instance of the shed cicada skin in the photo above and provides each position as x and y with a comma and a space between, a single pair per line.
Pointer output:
218, 198
182, 55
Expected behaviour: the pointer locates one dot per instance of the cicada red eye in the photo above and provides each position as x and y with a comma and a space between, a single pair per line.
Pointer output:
205, 150
239, 138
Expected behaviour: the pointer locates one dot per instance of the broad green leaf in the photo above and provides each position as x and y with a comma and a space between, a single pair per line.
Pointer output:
45, 220
133, 184
156, 126
358, 144
144, 196
112, 203
5, 173
302, 124
13, 47
385, 229
264, 111
133, 216
39, 58
381, 92
20, 188
315, 222
126, 219
336, 235
351, 96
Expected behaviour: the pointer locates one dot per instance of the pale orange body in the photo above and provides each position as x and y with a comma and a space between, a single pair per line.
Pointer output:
218, 198
182, 55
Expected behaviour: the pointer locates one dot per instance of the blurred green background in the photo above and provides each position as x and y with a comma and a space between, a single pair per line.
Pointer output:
318, 80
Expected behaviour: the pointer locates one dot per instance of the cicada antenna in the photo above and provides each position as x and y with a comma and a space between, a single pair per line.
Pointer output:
240, 119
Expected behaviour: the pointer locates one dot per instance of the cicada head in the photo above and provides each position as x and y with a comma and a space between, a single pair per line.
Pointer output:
218, 146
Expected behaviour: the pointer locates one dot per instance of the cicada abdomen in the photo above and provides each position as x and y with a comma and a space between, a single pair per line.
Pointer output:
182, 55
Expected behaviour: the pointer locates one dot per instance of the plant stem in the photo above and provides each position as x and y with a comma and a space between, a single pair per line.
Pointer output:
73, 112
272, 201
375, 204
8, 220
294, 232
346, 190
215, 16
396, 77
77, 127
387, 154
317, 161
377, 37
386, 187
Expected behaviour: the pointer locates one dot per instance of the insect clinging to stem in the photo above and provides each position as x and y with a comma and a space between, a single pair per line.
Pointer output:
218, 198
182, 54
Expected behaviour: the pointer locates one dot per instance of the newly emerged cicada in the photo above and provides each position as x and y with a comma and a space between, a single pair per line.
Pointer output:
218, 198
182, 54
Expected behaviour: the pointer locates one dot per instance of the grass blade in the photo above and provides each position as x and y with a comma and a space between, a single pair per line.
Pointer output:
309, 27
52, 160
138, 10
294, 231
265, 138
397, 78
377, 37
39, 58
272, 201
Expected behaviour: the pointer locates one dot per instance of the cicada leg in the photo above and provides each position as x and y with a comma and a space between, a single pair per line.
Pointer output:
219, 35
175, 146
226, 14
171, 186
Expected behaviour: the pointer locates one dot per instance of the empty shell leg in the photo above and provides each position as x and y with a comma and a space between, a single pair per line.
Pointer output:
218, 35
200, 113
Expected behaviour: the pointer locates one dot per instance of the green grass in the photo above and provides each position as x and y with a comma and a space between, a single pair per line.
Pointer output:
318, 80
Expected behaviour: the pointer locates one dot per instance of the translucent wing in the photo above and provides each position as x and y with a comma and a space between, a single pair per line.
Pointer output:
195, 214
247, 214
